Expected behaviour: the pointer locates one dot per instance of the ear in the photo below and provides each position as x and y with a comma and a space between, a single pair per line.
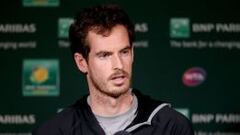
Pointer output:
81, 62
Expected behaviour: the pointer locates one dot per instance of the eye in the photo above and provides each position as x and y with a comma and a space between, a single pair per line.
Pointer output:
104, 55
125, 52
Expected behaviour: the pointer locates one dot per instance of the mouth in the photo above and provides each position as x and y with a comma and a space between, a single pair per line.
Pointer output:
118, 79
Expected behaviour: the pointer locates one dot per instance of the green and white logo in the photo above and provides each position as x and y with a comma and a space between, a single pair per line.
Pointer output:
41, 3
63, 27
179, 28
184, 111
40, 78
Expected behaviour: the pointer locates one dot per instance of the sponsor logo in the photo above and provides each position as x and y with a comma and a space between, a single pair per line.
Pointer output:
184, 112
200, 27
63, 27
194, 76
221, 118
225, 27
179, 28
216, 27
142, 44
40, 78
141, 27
40, 3
17, 119
18, 28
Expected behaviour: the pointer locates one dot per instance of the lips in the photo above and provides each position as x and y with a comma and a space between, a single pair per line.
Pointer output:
118, 79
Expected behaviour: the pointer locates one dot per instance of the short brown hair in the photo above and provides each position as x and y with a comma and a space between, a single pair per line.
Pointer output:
100, 18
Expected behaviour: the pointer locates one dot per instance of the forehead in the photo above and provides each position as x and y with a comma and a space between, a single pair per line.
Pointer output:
115, 38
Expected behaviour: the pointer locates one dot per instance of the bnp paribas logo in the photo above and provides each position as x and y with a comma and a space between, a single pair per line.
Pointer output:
40, 77
179, 28
41, 3
63, 27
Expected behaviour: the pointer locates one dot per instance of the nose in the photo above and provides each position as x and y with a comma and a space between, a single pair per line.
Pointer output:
117, 62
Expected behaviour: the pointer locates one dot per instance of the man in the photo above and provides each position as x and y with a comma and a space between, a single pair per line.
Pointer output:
101, 41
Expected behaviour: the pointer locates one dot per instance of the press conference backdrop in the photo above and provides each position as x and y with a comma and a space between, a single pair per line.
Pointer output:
186, 53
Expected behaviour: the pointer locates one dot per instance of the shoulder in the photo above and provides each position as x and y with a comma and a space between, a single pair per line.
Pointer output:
162, 115
58, 123
169, 114
174, 121
62, 122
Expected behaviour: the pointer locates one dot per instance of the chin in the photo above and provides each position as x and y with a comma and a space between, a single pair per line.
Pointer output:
117, 92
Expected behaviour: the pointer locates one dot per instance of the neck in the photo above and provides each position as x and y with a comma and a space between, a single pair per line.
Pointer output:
104, 105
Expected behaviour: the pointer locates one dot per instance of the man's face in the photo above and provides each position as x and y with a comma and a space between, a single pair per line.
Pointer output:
110, 61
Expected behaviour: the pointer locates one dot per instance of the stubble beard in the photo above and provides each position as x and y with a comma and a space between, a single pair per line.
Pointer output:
103, 87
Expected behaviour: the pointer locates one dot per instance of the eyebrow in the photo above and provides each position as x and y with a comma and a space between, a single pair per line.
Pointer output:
108, 52
126, 48
102, 52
